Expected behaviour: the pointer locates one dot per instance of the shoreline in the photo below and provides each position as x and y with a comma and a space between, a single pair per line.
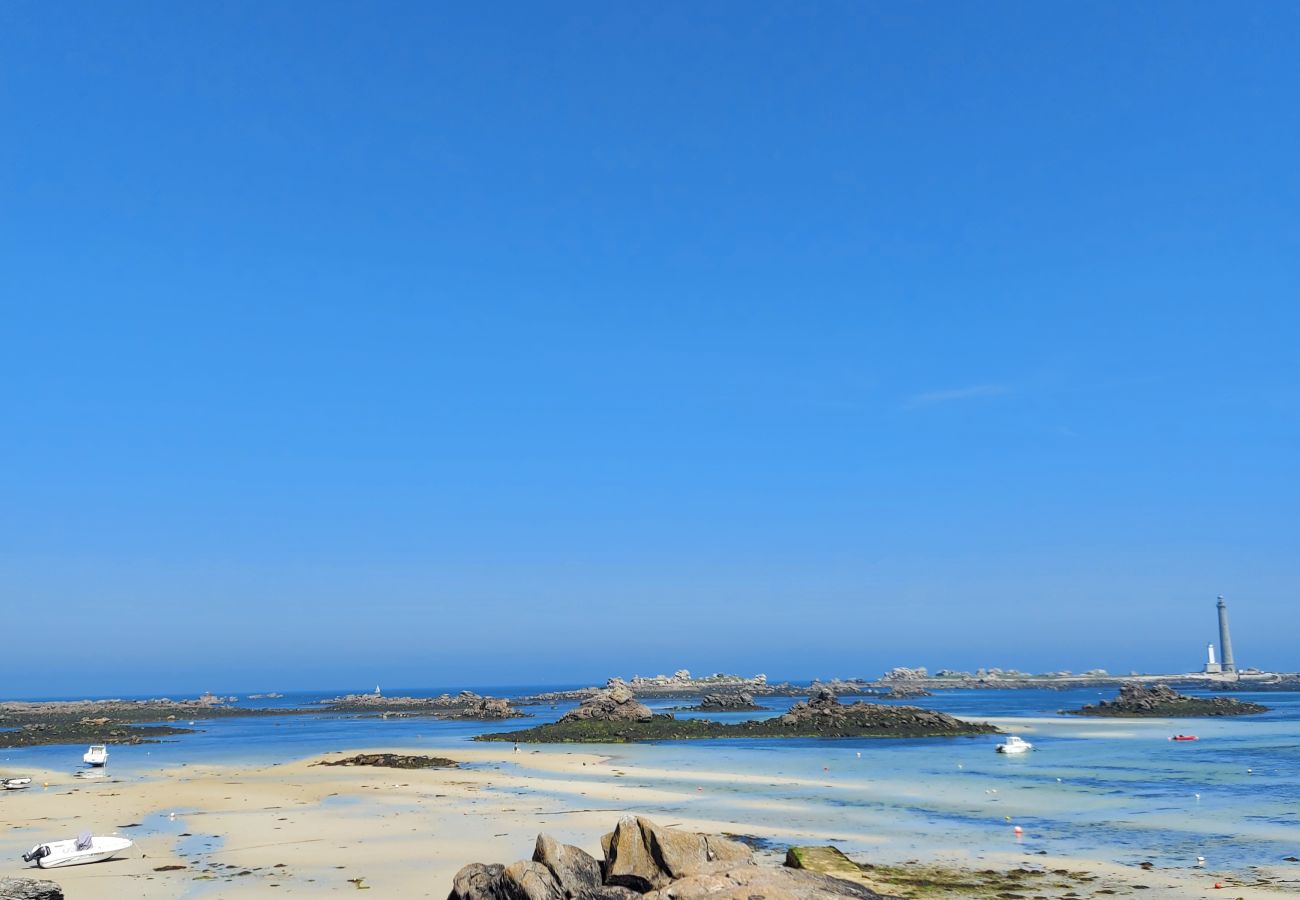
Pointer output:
308, 829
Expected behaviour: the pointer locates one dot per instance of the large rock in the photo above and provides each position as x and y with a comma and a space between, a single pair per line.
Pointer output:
576, 871
477, 882
523, 880
747, 882
29, 889
614, 704
528, 880
642, 856
628, 862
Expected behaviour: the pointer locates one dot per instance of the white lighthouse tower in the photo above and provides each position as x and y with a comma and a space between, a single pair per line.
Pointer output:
1212, 667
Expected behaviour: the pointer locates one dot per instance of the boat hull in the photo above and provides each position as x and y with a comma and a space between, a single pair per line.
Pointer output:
65, 853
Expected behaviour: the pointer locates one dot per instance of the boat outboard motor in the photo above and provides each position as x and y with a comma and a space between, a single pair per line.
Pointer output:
39, 852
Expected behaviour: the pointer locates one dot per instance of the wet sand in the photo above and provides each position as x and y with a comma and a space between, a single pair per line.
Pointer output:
303, 830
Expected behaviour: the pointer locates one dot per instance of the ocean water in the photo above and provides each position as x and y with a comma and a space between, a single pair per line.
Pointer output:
1116, 790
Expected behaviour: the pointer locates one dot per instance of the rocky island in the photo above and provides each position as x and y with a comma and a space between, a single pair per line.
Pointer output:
1162, 701
30, 724
616, 716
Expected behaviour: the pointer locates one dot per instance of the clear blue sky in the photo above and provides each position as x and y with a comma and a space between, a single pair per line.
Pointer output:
463, 343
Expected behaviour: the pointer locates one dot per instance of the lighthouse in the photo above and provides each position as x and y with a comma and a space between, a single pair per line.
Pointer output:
1225, 639
1212, 666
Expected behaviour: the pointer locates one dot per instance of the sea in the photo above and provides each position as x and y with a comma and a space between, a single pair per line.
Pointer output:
1117, 790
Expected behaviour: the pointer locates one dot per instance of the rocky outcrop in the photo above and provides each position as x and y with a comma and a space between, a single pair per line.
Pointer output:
29, 889
645, 860
742, 702
820, 716
575, 871
614, 704
643, 856
484, 708
465, 705
822, 713
1162, 701
901, 691
392, 761
768, 883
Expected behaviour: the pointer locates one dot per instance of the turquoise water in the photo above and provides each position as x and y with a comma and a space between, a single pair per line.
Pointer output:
1115, 790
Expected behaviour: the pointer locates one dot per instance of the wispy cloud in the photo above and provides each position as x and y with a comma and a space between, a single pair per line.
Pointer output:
952, 395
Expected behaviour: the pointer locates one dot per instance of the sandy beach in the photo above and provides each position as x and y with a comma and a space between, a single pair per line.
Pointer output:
305, 830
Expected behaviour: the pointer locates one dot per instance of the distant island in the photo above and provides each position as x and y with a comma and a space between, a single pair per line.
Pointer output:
465, 705
1161, 701
615, 716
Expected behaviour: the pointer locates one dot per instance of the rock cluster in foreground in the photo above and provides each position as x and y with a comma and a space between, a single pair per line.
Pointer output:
29, 889
644, 860
1162, 701
614, 716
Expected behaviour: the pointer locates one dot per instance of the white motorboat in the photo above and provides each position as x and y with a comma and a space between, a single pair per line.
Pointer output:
15, 784
80, 850
97, 755
1015, 744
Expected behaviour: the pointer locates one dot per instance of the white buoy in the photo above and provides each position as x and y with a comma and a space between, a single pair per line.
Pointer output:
1198, 797
1200, 861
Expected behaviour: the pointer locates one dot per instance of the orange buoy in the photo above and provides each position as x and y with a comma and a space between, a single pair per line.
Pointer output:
1018, 830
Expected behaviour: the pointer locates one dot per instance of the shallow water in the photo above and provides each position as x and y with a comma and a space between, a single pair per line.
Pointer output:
1117, 790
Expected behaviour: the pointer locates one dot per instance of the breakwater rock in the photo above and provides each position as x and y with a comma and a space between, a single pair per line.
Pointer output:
645, 860
822, 715
899, 691
1162, 701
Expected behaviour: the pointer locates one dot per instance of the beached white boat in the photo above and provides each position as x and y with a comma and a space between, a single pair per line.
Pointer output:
1015, 744
15, 784
97, 755
80, 850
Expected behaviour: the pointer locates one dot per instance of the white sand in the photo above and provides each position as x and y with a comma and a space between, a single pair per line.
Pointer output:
303, 830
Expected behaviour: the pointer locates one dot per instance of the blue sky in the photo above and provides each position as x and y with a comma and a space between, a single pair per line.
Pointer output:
431, 344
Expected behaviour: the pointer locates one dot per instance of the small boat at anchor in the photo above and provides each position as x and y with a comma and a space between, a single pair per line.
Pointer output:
85, 848
97, 755
1184, 737
15, 784
1015, 744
